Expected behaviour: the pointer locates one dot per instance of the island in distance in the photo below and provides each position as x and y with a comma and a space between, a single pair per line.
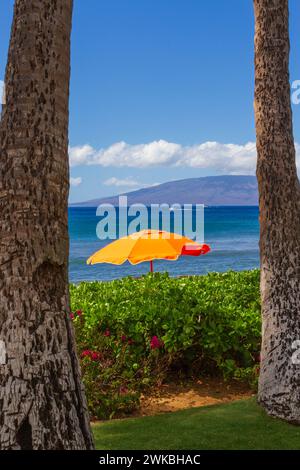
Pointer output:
229, 190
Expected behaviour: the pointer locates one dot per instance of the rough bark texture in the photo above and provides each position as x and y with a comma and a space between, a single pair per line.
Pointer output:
279, 383
42, 402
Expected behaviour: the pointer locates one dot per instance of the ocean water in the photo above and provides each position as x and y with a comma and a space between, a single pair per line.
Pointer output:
232, 233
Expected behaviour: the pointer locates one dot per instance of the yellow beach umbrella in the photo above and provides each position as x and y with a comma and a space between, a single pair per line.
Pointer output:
148, 245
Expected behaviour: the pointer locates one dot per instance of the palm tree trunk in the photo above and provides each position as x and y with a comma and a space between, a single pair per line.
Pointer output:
42, 402
279, 383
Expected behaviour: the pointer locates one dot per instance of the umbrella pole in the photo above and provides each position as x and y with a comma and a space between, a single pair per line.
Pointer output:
151, 266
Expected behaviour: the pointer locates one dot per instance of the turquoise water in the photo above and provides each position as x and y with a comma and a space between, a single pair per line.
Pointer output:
232, 233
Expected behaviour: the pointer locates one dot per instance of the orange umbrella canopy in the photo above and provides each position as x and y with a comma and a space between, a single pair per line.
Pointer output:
147, 245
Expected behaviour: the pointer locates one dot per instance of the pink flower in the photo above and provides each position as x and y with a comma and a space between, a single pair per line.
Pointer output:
72, 316
79, 312
95, 356
130, 342
107, 332
123, 390
86, 353
123, 338
155, 343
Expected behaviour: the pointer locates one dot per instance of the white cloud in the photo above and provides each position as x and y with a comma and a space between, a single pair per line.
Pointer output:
126, 183
137, 156
76, 181
225, 158
80, 155
215, 156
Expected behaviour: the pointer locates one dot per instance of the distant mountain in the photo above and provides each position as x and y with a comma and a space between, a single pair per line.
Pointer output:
209, 190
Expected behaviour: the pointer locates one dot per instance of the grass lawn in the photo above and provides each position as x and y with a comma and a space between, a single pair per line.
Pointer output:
237, 425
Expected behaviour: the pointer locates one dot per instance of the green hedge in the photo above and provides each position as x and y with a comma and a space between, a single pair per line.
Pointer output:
134, 333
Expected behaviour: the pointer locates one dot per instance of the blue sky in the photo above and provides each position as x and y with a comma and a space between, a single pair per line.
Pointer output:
160, 90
